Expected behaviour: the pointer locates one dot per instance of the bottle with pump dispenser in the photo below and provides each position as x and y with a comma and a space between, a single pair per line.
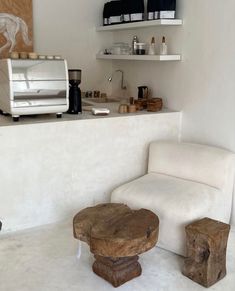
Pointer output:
163, 48
152, 47
134, 45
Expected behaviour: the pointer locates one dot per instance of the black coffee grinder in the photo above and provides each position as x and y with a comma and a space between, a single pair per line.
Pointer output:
75, 96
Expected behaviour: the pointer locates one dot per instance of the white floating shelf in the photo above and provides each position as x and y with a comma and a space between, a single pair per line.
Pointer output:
140, 24
139, 57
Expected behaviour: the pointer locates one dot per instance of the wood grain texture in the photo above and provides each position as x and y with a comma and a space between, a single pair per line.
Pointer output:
117, 271
116, 235
154, 104
88, 217
22, 9
206, 251
114, 230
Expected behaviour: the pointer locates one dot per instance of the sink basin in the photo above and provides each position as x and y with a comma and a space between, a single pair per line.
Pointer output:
84, 103
100, 100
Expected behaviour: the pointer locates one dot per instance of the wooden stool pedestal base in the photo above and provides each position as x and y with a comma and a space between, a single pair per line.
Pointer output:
117, 271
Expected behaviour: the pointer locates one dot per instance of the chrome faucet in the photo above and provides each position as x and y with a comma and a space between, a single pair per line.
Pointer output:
122, 80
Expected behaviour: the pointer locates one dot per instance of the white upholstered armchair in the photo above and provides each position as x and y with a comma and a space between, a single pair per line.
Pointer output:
185, 182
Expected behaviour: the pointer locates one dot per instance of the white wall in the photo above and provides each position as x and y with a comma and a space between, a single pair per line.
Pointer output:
68, 28
203, 84
50, 171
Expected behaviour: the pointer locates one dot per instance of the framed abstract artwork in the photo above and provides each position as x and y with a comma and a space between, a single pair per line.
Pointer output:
16, 26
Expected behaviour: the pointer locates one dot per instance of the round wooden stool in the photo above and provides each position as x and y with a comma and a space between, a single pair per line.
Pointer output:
116, 236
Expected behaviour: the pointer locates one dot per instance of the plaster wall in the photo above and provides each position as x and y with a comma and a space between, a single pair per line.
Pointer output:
49, 171
202, 86
67, 28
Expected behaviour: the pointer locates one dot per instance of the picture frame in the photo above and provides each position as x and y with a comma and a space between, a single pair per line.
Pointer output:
16, 27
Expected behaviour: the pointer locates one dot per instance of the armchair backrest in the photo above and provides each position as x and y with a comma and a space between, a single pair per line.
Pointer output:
200, 163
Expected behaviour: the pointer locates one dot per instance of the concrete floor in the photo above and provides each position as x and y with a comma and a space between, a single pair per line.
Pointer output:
44, 259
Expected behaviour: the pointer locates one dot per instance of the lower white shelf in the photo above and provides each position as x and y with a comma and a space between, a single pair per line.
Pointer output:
139, 57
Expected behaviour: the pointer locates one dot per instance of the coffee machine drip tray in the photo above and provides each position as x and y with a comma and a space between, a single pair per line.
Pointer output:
25, 103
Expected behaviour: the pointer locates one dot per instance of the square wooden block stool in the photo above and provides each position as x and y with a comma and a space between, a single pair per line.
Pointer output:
206, 242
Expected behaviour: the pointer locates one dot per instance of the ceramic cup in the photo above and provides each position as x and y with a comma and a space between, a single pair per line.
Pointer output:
23, 55
131, 108
123, 108
33, 56
14, 55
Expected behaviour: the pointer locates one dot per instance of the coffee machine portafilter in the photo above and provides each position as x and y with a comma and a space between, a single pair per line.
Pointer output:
75, 96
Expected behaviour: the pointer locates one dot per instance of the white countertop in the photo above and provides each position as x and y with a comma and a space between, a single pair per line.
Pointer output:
86, 115
52, 167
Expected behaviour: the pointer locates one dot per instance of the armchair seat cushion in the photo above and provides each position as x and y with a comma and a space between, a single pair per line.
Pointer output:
176, 201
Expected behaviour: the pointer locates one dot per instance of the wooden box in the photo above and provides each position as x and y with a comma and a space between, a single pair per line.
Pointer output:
154, 104
141, 104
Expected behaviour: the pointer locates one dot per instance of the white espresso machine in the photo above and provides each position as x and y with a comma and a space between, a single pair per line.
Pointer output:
30, 87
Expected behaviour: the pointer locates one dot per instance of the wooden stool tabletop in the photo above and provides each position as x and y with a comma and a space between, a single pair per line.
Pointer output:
208, 226
114, 230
